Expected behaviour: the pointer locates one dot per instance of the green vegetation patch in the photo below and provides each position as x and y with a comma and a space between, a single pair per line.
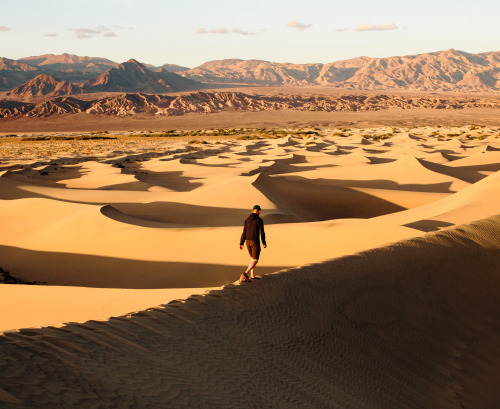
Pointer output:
66, 138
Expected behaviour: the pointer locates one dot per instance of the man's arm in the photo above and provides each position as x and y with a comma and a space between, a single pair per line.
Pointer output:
243, 235
263, 233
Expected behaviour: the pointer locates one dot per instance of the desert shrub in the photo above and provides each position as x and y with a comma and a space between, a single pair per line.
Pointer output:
249, 137
6, 278
381, 136
66, 138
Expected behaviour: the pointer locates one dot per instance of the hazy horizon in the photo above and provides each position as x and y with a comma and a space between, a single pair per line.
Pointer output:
189, 34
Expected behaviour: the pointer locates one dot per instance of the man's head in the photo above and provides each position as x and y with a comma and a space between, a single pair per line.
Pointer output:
256, 209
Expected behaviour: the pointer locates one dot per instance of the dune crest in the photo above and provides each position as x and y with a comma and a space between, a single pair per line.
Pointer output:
409, 323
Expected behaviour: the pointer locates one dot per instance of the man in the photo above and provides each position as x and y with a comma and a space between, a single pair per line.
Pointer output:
253, 230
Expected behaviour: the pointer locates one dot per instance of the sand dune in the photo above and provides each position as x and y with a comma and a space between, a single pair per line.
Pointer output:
163, 209
407, 325
132, 224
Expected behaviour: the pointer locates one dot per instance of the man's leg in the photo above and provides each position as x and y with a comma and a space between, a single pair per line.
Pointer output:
251, 266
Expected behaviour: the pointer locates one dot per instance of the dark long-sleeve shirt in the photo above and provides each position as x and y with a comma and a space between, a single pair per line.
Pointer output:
254, 226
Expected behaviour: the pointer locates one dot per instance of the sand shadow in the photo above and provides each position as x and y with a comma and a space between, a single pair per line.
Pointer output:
173, 180
170, 214
470, 174
428, 225
68, 269
281, 167
321, 199
49, 175
374, 160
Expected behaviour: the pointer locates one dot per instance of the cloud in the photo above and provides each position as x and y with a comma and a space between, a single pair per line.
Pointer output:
51, 35
381, 27
218, 30
242, 32
223, 30
298, 25
212, 31
83, 33
340, 30
3, 28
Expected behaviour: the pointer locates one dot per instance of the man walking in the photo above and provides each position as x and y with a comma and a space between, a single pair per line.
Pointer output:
253, 231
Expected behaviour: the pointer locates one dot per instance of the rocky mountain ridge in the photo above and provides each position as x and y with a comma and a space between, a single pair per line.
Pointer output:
132, 76
212, 102
449, 70
65, 62
127, 77
44, 85
13, 73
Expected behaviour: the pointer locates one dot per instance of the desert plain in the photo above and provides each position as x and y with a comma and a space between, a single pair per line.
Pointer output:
379, 284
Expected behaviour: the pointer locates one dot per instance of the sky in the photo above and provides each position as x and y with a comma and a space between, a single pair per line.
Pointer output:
191, 32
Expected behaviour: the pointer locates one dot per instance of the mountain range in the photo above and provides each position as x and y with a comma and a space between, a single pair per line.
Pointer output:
131, 76
59, 75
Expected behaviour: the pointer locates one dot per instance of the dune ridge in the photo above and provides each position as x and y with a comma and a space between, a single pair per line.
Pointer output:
154, 213
395, 303
411, 324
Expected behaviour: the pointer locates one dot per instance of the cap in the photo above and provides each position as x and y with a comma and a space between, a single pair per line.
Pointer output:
256, 207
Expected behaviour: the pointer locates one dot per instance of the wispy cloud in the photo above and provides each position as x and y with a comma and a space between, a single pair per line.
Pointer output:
123, 28
340, 30
243, 32
51, 35
3, 28
212, 31
298, 25
373, 27
223, 30
83, 33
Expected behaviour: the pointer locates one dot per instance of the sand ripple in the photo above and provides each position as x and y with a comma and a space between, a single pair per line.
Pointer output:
410, 325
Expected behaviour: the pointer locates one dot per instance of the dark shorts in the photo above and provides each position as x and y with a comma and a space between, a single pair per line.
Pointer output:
253, 249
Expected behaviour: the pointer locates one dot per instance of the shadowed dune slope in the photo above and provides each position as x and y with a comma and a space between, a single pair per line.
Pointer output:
321, 200
410, 325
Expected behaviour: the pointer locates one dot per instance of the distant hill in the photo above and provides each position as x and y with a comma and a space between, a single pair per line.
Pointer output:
450, 70
130, 76
44, 86
212, 102
256, 72
64, 62
133, 76
168, 67
70, 67
13, 73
